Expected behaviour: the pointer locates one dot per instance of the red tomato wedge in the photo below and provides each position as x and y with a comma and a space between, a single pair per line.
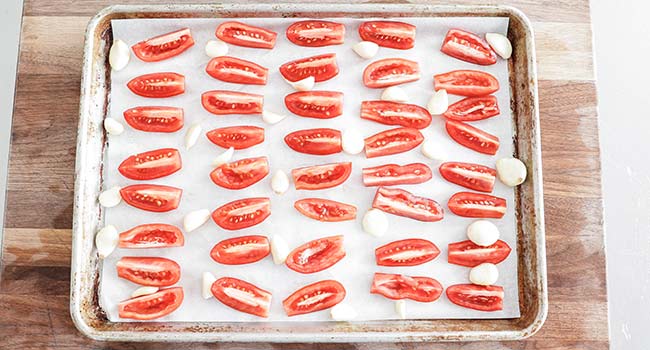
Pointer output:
222, 102
235, 70
149, 271
237, 137
315, 104
395, 113
468, 47
392, 141
157, 85
318, 177
242, 213
241, 250
472, 137
477, 205
151, 165
389, 72
473, 176
242, 296
152, 236
403, 203
466, 83
241, 34
472, 109
395, 35
241, 173
472, 296
466, 253
152, 306
314, 33
155, 118
396, 287
393, 174
164, 46
156, 198
316, 255
325, 209
406, 252
320, 141
321, 67
314, 297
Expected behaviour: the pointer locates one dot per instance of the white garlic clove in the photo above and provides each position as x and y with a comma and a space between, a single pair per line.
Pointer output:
375, 222
352, 141
500, 44
224, 157
400, 308
195, 219
119, 55
110, 197
106, 240
143, 291
207, 279
303, 85
216, 48
343, 312
485, 274
113, 127
279, 249
483, 233
366, 49
272, 117
511, 171
431, 151
439, 102
192, 135
394, 94
280, 182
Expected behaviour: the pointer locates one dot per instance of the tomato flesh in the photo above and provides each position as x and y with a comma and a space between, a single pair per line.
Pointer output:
396, 287
320, 141
240, 174
155, 118
314, 33
314, 297
235, 70
152, 236
325, 209
237, 137
469, 83
241, 34
315, 104
392, 141
321, 176
242, 296
241, 250
472, 109
472, 296
151, 165
157, 85
472, 137
242, 213
316, 255
393, 174
473, 176
164, 46
395, 113
156, 198
389, 72
406, 252
395, 35
149, 271
321, 67
152, 306
466, 253
403, 203
477, 205
222, 102
468, 47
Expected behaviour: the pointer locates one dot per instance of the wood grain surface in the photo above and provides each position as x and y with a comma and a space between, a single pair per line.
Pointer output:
35, 274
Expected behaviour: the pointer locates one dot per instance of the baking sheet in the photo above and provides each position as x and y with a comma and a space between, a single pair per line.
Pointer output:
355, 271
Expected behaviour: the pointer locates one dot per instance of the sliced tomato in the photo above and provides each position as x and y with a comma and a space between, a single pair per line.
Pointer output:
235, 70
314, 33
395, 113
237, 137
466, 253
406, 252
472, 109
152, 236
156, 198
472, 137
468, 47
315, 104
395, 35
241, 173
396, 287
242, 296
403, 203
318, 177
466, 83
321, 67
314, 297
389, 72
316, 255
157, 85
242, 213
152, 306
241, 250
473, 176
222, 102
155, 118
151, 165
472, 296
393, 174
164, 46
325, 209
477, 205
392, 141
320, 141
149, 271
241, 34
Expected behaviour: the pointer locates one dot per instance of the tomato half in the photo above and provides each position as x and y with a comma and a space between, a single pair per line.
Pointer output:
318, 177
241, 34
395, 113
314, 297
325, 209
396, 287
472, 296
466, 83
389, 72
472, 137
242, 296
152, 306
477, 205
316, 255
320, 141
155, 118
164, 46
406, 252
314, 33
241, 173
403, 203
157, 85
393, 174
392, 141
473, 176
152, 236
321, 67
235, 70
242, 213
395, 35
468, 47
241, 250
149, 271
315, 104
222, 102
472, 109
237, 137
466, 253
156, 198
151, 165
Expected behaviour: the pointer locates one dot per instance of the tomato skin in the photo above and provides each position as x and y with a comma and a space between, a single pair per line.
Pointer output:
472, 137
296, 303
389, 72
332, 33
396, 287
392, 141
151, 165
164, 46
262, 298
394, 35
392, 201
256, 211
152, 306
241, 173
325, 209
472, 109
322, 141
470, 83
473, 176
149, 271
319, 177
221, 68
315, 104
393, 174
395, 113
417, 251
237, 137
241, 34
157, 85
220, 102
466, 253
156, 198
317, 255
152, 236
241, 250
155, 118
321, 67
468, 47
465, 204
473, 296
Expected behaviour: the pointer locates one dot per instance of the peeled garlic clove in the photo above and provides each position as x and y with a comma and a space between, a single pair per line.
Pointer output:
511, 171
280, 182
485, 274
366, 49
272, 117
304, 84
395, 94
431, 151
375, 222
352, 141
192, 135
483, 233
216, 48
206, 285
113, 127
343, 312
400, 308
119, 55
143, 291
224, 157
279, 249
106, 240
439, 102
500, 44
195, 219
110, 197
